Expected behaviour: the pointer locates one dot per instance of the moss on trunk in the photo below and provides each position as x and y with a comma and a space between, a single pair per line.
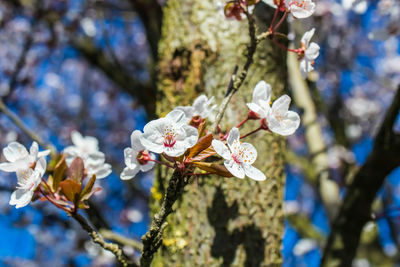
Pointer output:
219, 221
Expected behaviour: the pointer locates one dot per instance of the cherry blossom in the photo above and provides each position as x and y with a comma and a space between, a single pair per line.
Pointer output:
170, 135
280, 119
28, 181
87, 148
238, 156
311, 52
300, 9
202, 106
261, 99
137, 158
29, 167
19, 159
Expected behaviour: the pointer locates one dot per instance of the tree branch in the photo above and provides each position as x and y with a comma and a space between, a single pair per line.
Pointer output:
120, 239
356, 208
152, 240
96, 237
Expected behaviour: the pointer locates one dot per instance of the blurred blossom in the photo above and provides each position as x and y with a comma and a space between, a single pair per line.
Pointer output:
134, 215
88, 27
303, 246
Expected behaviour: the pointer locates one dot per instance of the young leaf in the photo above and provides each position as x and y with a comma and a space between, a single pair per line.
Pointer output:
59, 172
71, 189
88, 187
75, 171
202, 144
204, 154
213, 168
88, 195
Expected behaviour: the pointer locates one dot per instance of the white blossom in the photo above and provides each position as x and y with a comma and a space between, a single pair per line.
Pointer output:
19, 159
238, 156
261, 99
300, 9
136, 158
29, 167
87, 148
311, 52
170, 135
280, 119
202, 106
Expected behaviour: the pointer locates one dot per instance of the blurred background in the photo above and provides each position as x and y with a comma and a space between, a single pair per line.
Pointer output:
65, 65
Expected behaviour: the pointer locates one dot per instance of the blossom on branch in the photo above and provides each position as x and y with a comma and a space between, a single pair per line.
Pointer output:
261, 99
238, 156
170, 135
137, 158
300, 9
280, 119
202, 107
87, 148
311, 52
29, 167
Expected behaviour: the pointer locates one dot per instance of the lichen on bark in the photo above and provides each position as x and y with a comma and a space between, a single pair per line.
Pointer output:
220, 221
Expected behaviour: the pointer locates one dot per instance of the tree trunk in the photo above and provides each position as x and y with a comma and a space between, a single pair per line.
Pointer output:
220, 221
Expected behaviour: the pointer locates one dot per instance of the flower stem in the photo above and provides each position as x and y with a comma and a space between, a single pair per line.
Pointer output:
242, 122
280, 22
254, 131
53, 202
162, 163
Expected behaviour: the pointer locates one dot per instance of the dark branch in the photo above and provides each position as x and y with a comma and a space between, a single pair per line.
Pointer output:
152, 240
356, 208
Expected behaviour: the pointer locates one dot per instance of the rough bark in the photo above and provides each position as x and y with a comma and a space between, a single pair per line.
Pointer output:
219, 221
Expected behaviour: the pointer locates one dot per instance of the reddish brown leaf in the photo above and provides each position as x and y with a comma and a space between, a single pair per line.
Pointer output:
75, 171
202, 144
59, 172
204, 154
88, 188
88, 195
213, 168
71, 189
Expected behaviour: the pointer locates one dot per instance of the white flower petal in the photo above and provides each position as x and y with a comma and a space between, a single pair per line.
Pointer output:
221, 149
130, 158
176, 116
307, 37
77, 138
135, 141
281, 106
14, 151
41, 166
43, 153
101, 171
312, 52
192, 135
21, 197
249, 153
9, 167
262, 91
233, 139
34, 150
253, 173
152, 138
147, 167
234, 168
129, 173
287, 126
257, 109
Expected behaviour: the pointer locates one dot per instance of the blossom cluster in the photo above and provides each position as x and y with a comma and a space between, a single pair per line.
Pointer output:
299, 9
180, 137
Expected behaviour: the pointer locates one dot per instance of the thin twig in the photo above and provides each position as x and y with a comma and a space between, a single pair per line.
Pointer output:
237, 80
96, 237
20, 124
120, 239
